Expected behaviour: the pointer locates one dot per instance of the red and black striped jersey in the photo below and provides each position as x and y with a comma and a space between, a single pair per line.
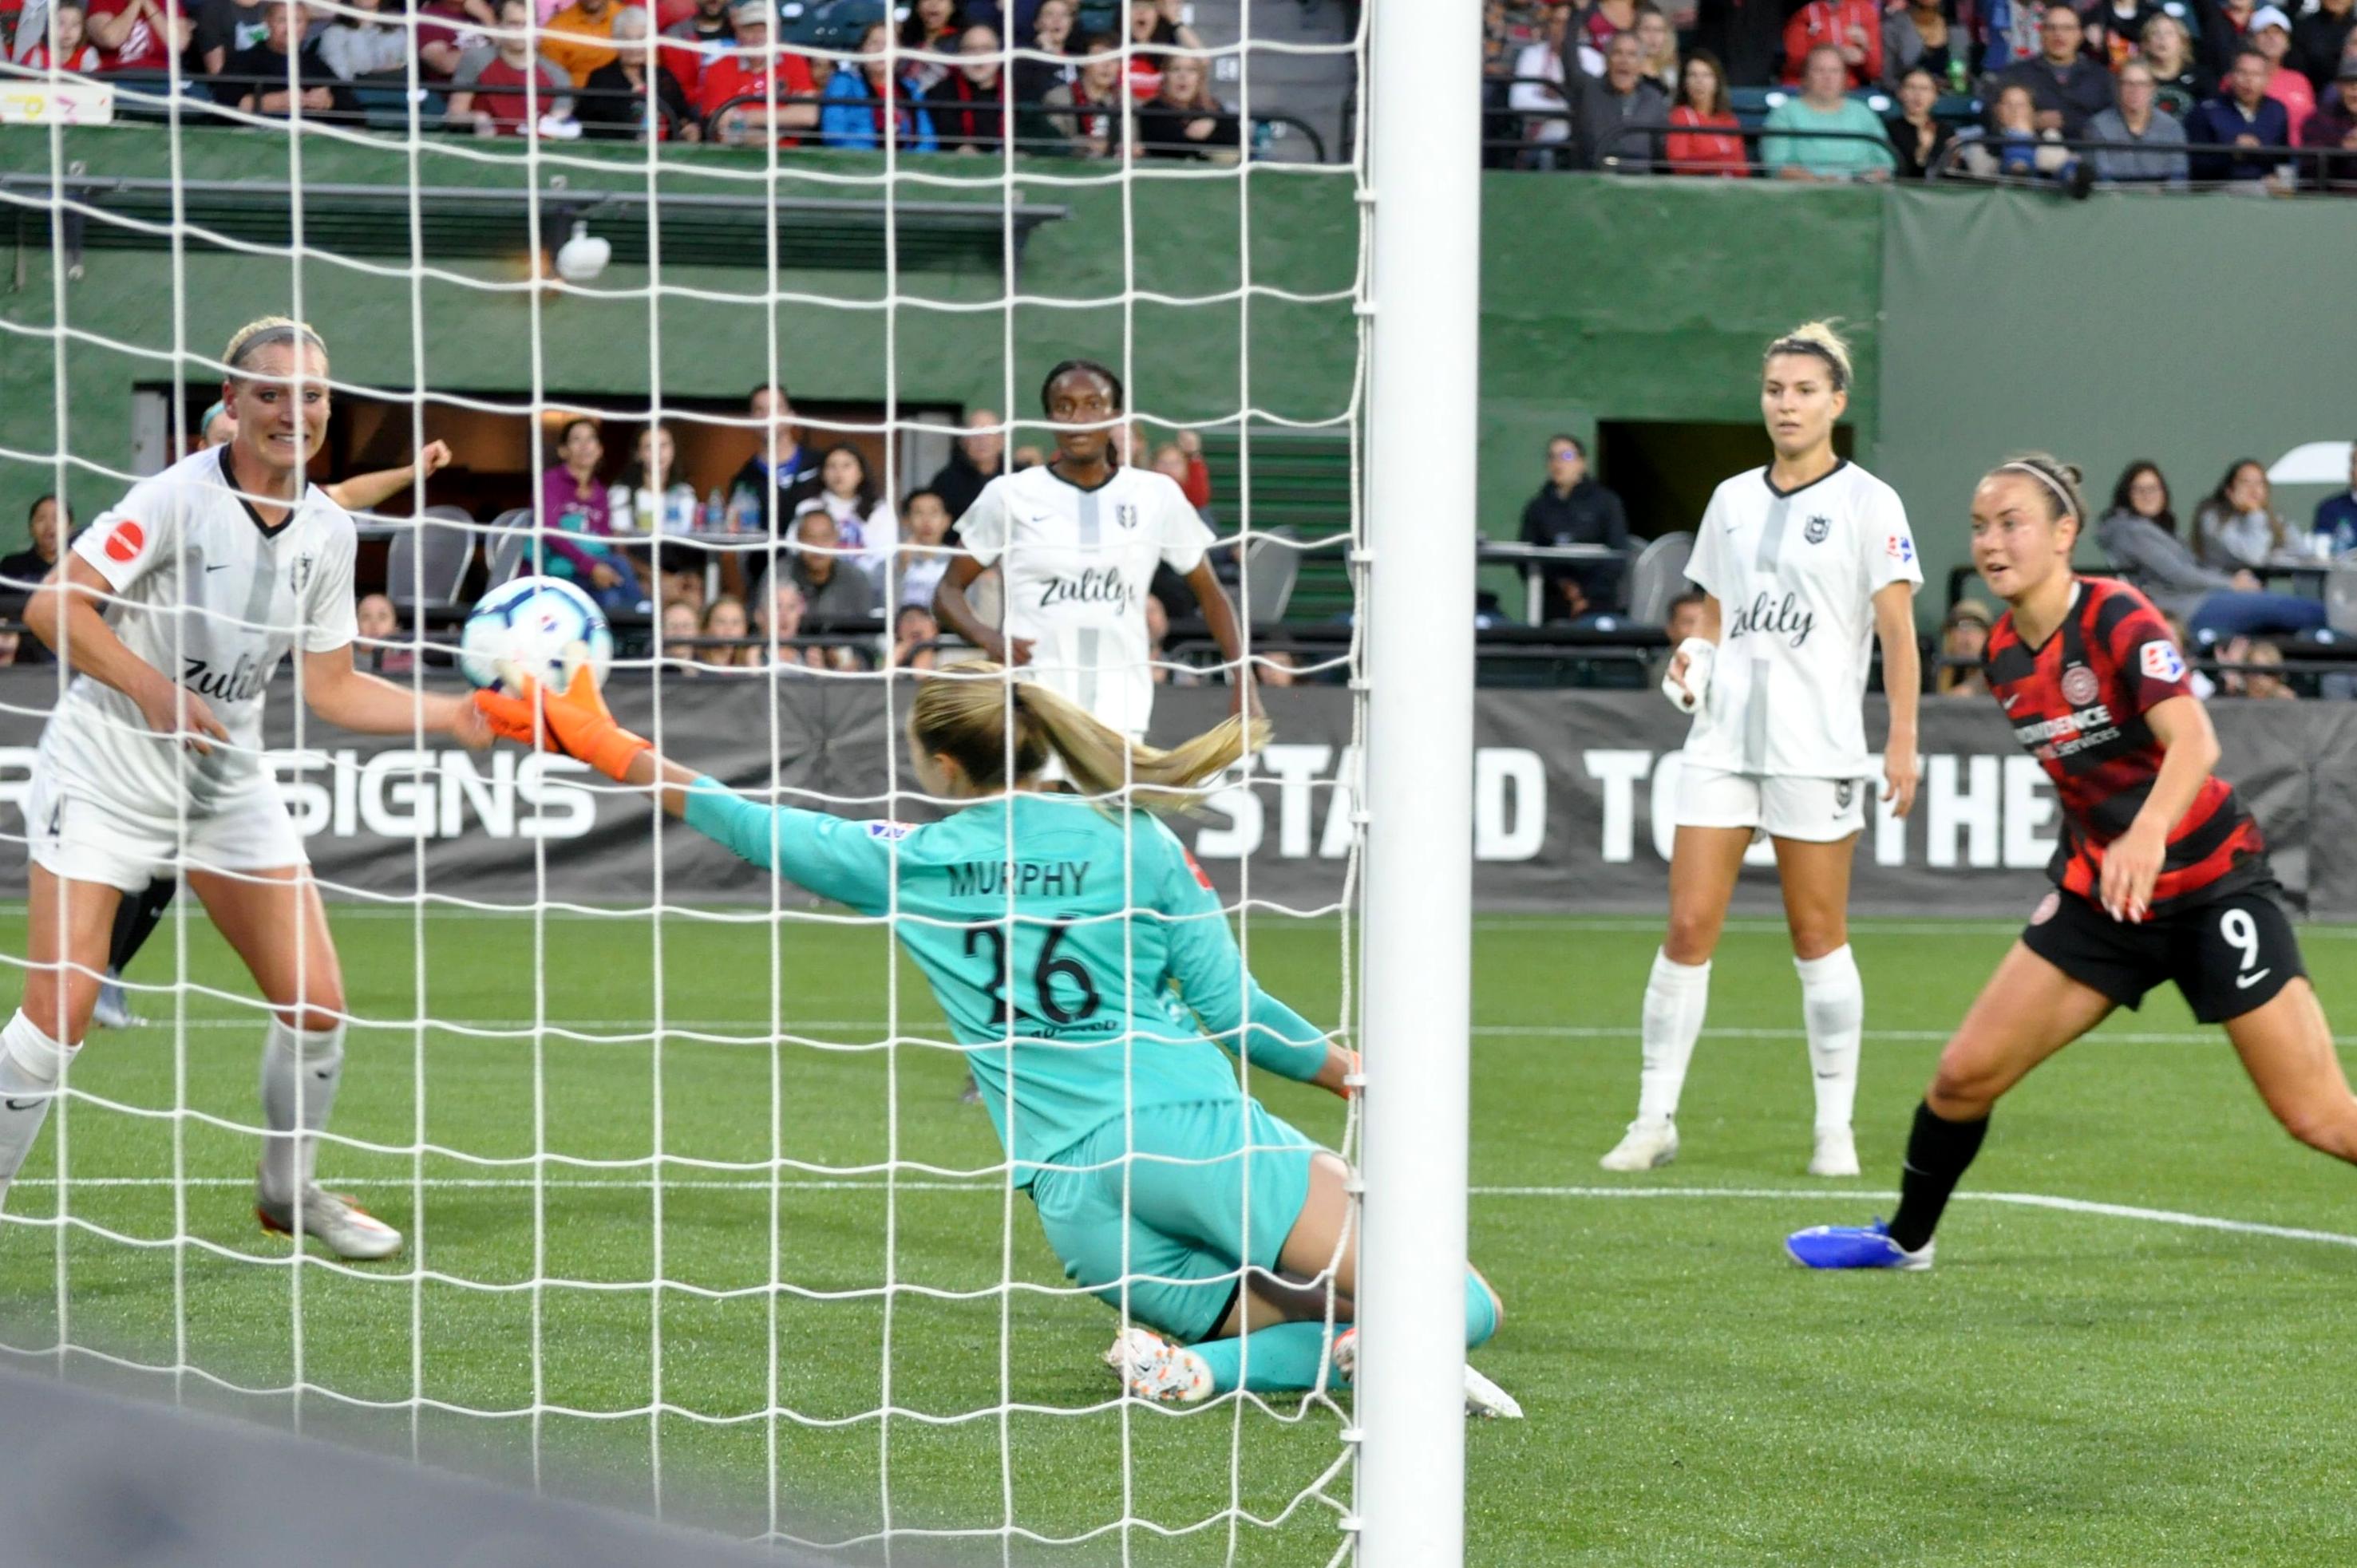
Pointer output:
2077, 703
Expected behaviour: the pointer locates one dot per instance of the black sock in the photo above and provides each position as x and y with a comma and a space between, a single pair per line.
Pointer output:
136, 919
1938, 1152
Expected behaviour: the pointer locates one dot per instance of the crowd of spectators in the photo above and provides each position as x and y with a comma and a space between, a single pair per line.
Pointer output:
2209, 574
2170, 90
940, 81
854, 574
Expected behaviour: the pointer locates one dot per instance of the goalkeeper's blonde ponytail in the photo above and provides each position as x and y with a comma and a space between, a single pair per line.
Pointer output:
961, 711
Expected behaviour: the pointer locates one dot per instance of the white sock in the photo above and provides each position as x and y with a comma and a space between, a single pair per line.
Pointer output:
298, 1067
1833, 1001
30, 1065
1676, 995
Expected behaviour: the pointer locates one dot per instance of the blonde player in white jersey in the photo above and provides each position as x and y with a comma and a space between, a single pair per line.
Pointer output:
173, 611
1077, 541
1805, 564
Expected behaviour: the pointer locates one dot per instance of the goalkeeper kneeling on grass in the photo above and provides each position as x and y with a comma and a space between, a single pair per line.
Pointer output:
1087, 971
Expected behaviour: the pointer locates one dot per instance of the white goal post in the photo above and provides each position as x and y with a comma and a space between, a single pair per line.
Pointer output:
1424, 153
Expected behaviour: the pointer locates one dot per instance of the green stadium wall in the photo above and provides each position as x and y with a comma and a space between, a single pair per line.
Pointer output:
1982, 322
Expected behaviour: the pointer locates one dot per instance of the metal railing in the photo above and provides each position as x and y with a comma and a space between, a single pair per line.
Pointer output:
2330, 169
144, 96
1756, 165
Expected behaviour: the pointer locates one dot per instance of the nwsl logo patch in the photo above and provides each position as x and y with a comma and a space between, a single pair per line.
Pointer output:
1901, 548
2163, 662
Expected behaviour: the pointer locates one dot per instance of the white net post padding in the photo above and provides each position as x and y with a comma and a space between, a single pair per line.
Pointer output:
432, 1290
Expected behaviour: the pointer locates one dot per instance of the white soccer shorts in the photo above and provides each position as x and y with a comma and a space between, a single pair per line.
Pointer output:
85, 838
1815, 810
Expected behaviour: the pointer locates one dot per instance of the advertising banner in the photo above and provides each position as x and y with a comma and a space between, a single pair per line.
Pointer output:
1572, 797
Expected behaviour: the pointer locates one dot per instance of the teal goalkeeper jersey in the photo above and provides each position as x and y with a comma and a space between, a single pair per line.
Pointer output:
1090, 966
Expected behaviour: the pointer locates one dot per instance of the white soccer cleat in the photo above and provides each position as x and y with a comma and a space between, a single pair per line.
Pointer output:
1646, 1146
1483, 1398
335, 1221
1487, 1401
1836, 1152
1153, 1368
113, 1009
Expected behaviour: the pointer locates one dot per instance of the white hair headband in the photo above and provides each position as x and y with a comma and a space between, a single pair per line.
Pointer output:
2062, 496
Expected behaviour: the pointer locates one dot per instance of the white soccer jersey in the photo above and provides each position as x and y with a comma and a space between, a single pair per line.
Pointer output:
210, 596
1077, 564
1795, 575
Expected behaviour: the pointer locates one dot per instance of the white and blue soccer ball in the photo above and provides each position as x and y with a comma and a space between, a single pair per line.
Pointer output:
531, 622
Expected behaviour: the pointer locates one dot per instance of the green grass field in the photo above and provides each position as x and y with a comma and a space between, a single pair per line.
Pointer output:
2067, 1387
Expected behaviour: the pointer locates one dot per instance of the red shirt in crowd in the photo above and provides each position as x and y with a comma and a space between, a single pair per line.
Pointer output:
86, 61
143, 47
1830, 22
506, 109
1692, 152
737, 75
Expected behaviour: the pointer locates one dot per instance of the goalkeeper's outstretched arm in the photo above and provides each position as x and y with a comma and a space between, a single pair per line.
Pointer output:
832, 857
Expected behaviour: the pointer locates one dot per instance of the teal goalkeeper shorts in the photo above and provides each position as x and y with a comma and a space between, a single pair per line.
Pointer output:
1187, 1239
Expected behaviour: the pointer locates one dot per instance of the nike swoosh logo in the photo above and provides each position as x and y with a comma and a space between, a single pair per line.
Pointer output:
24, 1104
2007, 702
2245, 982
222, 567
328, 1073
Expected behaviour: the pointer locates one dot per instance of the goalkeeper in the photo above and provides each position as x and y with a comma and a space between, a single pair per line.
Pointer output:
1087, 969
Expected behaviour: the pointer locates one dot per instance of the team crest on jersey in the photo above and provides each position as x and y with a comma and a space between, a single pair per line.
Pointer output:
1819, 526
2079, 685
1125, 514
2163, 662
299, 576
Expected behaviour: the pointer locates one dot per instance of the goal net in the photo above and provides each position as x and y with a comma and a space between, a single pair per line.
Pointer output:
697, 1218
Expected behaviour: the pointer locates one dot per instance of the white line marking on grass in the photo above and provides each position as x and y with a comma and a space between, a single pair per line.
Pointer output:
802, 1027
1812, 1195
2016, 1200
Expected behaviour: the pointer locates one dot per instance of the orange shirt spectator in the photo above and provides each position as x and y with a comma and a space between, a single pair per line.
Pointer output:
1853, 27
566, 40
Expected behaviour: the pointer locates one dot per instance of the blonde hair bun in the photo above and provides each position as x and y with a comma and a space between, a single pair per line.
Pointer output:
1821, 339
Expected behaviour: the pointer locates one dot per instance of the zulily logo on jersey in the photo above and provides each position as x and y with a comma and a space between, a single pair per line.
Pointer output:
1775, 618
241, 681
1094, 586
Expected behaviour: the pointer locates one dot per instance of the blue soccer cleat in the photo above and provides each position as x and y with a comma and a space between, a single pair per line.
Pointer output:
1854, 1247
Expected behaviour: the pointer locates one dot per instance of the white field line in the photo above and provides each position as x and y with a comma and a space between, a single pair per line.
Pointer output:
879, 1027
1848, 1195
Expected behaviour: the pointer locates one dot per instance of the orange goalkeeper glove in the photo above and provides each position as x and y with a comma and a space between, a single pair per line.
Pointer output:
574, 721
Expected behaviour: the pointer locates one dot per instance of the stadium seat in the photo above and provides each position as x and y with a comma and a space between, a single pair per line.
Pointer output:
830, 24
1272, 565
511, 534
2340, 598
427, 564
1655, 579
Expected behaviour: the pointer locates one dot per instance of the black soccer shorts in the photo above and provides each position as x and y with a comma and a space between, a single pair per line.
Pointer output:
2227, 957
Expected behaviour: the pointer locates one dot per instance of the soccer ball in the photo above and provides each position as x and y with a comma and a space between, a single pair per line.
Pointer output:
531, 621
